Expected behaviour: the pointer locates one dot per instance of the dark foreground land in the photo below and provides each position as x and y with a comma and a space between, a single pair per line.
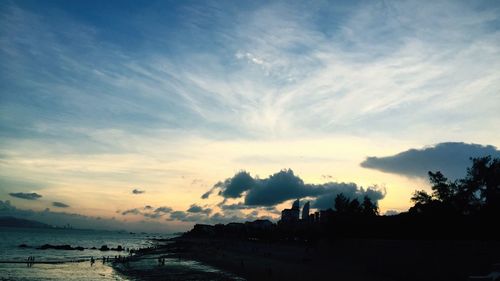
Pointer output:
340, 259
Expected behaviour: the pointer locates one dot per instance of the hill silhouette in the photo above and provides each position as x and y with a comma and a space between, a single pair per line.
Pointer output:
23, 223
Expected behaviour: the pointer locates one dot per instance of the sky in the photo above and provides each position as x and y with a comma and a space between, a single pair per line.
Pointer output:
157, 115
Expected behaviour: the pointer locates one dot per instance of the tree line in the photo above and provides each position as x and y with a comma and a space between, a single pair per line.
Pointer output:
478, 193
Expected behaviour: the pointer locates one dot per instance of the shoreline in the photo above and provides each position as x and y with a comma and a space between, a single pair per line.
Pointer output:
341, 259
177, 266
77, 271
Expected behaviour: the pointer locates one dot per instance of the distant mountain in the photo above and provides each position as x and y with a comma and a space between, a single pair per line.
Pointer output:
17, 222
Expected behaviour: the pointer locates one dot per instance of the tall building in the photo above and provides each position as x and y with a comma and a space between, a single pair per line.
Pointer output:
296, 205
291, 215
305, 211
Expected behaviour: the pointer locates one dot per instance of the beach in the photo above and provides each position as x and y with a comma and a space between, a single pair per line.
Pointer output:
166, 262
341, 259
189, 257
74, 271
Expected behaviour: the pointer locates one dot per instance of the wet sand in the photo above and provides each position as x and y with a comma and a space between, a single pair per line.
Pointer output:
343, 259
72, 271
147, 267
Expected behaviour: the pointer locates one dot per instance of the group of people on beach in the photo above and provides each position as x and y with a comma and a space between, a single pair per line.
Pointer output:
161, 261
118, 259
30, 261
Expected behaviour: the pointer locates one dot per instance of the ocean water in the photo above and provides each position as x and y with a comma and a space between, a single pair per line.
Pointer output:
11, 238
13, 257
75, 265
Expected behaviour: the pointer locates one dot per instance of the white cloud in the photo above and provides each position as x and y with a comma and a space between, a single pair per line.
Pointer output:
73, 99
417, 63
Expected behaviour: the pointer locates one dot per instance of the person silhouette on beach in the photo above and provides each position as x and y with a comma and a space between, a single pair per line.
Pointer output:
31, 261
92, 261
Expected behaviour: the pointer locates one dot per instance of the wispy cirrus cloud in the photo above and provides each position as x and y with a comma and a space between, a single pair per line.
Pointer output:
306, 72
82, 102
148, 211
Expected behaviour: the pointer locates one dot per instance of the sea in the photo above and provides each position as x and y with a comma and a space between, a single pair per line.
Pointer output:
75, 265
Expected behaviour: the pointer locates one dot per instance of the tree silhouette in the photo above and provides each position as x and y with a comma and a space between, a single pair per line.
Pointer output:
354, 207
344, 206
442, 189
478, 192
369, 208
421, 197
483, 181
341, 203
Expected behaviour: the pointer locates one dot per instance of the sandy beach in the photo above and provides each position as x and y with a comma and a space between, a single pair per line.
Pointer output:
343, 259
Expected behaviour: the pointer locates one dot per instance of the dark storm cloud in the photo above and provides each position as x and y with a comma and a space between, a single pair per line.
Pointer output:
133, 211
138, 191
241, 206
195, 209
148, 211
350, 190
278, 188
219, 217
451, 158
198, 209
237, 206
152, 215
235, 186
27, 196
232, 187
285, 185
60, 205
163, 210
237, 217
182, 216
208, 193
200, 214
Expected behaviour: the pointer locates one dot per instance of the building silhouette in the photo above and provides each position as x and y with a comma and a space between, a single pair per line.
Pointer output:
291, 215
305, 211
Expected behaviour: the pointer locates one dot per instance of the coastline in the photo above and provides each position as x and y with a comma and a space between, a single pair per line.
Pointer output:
177, 265
341, 259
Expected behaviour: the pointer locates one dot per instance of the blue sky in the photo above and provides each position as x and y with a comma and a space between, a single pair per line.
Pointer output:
104, 97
